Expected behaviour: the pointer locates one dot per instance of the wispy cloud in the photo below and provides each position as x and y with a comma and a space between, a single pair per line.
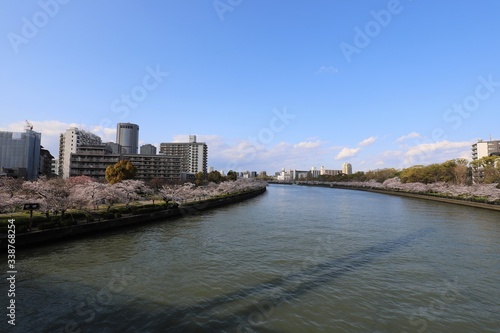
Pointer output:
436, 152
347, 152
421, 154
412, 135
308, 144
367, 141
225, 154
327, 70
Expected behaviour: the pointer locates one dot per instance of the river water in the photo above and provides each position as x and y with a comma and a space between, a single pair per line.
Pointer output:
295, 259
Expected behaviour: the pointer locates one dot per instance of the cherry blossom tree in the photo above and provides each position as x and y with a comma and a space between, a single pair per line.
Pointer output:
88, 195
84, 193
53, 194
112, 195
10, 195
132, 190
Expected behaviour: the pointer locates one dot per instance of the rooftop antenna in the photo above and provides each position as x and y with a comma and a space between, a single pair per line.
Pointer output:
29, 126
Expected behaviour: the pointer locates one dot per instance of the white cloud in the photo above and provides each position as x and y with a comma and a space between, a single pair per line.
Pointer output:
392, 153
408, 136
51, 130
435, 146
49, 127
436, 152
420, 154
367, 141
327, 69
244, 155
347, 152
308, 144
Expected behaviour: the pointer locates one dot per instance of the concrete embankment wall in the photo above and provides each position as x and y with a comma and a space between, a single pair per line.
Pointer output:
94, 228
417, 196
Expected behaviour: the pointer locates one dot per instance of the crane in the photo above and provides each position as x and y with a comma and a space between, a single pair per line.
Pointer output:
29, 126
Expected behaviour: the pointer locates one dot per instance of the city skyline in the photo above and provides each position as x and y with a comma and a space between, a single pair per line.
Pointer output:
265, 85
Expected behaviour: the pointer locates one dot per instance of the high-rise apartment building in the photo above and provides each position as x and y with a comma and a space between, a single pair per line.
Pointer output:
193, 154
347, 168
20, 153
46, 159
328, 172
127, 136
315, 173
485, 148
68, 144
93, 160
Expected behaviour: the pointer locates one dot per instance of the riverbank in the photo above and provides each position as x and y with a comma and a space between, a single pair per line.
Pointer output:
39, 237
433, 197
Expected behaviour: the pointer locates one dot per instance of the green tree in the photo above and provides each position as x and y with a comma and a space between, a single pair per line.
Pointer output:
381, 175
120, 171
232, 175
487, 169
215, 177
200, 178
412, 174
460, 171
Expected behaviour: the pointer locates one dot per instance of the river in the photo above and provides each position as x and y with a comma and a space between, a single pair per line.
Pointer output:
295, 259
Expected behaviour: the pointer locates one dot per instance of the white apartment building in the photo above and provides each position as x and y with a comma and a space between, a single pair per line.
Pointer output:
315, 173
328, 172
68, 144
485, 148
347, 168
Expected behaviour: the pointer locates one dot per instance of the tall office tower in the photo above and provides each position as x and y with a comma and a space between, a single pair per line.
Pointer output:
127, 135
347, 169
193, 154
20, 153
68, 144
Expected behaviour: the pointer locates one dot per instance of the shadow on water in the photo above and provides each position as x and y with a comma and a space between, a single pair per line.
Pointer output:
226, 313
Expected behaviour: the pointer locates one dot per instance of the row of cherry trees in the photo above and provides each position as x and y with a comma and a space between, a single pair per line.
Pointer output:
489, 191
57, 195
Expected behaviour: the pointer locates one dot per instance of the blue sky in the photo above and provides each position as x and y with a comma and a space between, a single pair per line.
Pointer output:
267, 84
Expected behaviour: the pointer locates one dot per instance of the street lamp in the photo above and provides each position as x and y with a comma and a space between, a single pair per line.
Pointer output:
31, 207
